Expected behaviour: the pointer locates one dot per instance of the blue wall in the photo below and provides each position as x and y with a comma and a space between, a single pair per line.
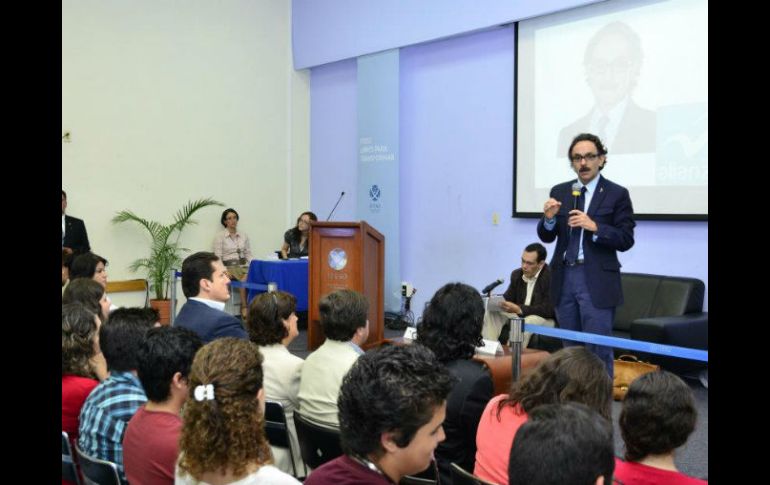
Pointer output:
456, 153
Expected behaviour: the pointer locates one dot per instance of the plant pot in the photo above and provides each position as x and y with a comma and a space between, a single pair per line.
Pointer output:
164, 310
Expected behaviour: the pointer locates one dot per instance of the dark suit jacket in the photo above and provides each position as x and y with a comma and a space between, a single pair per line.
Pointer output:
612, 212
209, 323
541, 295
75, 235
636, 132
464, 406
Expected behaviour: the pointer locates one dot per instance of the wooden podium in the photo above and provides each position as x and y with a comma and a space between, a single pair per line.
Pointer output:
346, 255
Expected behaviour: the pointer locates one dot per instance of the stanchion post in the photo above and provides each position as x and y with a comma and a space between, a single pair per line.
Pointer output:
516, 339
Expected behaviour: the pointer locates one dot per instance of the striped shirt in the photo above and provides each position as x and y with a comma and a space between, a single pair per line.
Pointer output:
105, 415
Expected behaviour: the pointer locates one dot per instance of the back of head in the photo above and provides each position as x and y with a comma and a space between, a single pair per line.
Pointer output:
658, 415
342, 312
196, 267
223, 426
393, 388
266, 315
562, 443
451, 322
573, 374
78, 329
85, 291
122, 334
164, 352
84, 265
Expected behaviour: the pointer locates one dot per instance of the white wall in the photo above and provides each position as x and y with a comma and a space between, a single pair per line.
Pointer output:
171, 101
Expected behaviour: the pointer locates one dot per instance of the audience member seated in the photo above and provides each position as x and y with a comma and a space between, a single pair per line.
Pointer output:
392, 403
90, 294
111, 405
151, 443
223, 438
81, 370
528, 296
658, 416
451, 328
571, 374
93, 266
66, 261
272, 324
234, 249
205, 285
563, 443
295, 240
346, 328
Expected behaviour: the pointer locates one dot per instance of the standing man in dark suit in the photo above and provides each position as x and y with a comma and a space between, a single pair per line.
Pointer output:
205, 285
585, 280
74, 238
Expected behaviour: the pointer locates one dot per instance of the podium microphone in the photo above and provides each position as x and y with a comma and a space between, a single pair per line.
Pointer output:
576, 193
488, 289
335, 205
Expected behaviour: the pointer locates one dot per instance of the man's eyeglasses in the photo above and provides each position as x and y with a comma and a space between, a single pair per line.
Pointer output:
589, 157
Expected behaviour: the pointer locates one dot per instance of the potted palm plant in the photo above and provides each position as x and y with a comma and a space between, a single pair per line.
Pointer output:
165, 252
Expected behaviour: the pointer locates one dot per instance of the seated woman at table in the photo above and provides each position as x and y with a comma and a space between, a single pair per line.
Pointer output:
295, 240
234, 249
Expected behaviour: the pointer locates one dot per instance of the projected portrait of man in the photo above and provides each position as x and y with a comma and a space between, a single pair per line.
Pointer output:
612, 62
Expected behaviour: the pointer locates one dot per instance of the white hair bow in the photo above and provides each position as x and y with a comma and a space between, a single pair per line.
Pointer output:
203, 393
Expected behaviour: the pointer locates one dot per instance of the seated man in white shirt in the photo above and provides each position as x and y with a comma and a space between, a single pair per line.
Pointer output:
528, 296
344, 323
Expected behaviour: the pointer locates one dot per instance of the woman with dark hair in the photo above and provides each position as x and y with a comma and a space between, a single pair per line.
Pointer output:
295, 240
223, 431
93, 266
451, 327
89, 293
572, 374
82, 363
234, 249
658, 416
272, 324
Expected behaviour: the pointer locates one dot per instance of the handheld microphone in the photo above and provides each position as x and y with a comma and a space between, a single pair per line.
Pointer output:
335, 205
493, 285
575, 193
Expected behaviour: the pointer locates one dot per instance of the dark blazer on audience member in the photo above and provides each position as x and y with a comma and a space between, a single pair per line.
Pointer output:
209, 323
613, 213
75, 235
541, 294
465, 404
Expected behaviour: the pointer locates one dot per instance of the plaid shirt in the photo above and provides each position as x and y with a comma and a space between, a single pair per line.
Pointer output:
105, 415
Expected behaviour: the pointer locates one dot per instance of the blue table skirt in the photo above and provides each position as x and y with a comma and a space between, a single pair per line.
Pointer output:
290, 275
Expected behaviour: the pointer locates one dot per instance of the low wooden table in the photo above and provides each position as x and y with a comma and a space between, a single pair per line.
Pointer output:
501, 368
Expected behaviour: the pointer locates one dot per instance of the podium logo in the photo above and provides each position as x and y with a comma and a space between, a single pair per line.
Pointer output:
338, 258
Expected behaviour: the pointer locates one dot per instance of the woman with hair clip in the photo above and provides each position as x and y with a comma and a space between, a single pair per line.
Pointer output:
234, 249
272, 324
223, 434
572, 374
295, 240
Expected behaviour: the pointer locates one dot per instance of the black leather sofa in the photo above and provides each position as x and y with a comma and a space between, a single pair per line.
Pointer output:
660, 309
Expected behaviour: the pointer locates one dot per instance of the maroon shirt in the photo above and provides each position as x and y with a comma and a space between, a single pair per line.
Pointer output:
151, 447
345, 471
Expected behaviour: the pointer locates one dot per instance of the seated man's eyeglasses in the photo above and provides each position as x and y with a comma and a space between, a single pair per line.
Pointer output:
589, 157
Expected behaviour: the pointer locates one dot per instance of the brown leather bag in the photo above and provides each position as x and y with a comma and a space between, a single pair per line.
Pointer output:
628, 368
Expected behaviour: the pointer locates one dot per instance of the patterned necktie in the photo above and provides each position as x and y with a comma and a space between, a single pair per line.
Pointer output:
574, 235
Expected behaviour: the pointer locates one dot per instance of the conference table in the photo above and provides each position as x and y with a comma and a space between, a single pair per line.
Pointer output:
291, 275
